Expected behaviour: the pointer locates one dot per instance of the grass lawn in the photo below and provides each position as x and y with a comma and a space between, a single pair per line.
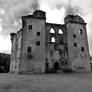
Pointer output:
68, 82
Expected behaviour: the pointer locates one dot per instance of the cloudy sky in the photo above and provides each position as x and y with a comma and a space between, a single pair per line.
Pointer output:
12, 10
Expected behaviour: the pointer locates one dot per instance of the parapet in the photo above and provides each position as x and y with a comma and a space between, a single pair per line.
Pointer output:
74, 19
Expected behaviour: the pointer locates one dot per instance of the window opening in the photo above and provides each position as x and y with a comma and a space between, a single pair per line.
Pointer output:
52, 30
30, 27
60, 31
52, 39
29, 49
75, 44
38, 43
74, 35
82, 49
38, 33
80, 31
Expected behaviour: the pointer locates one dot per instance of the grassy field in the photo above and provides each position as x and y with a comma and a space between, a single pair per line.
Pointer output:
76, 82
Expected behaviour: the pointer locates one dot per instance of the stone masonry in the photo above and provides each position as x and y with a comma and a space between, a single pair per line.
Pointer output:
41, 47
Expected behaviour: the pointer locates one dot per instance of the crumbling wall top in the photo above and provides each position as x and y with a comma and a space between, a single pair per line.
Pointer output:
74, 19
38, 14
12, 35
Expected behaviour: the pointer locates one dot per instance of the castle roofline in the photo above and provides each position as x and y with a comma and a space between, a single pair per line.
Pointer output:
38, 14
74, 19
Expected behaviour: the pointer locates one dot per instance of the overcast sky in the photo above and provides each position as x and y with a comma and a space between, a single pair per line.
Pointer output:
12, 10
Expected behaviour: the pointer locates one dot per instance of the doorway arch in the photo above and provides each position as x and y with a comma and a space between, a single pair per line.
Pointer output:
56, 66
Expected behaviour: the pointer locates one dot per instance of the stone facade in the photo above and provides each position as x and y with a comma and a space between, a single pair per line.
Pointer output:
41, 47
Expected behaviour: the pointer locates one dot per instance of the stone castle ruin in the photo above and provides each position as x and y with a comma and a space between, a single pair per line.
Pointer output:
41, 47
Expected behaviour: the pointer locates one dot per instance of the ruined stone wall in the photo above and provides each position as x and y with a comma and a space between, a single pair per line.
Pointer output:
55, 51
33, 46
18, 50
78, 51
33, 60
13, 54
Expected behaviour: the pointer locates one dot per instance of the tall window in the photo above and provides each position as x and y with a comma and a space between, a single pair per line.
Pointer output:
80, 31
75, 44
60, 31
29, 49
38, 43
52, 30
29, 55
52, 39
30, 27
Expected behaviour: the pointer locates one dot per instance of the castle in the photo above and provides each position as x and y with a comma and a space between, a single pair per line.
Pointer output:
40, 47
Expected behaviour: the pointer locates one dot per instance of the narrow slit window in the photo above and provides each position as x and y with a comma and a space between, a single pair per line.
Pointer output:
29, 49
80, 31
52, 30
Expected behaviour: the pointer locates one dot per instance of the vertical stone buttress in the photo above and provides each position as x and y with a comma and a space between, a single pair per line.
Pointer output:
13, 52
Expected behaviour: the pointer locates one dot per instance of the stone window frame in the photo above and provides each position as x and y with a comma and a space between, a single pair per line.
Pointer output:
30, 27
61, 31
53, 30
38, 33
29, 49
38, 43
75, 44
53, 38
82, 49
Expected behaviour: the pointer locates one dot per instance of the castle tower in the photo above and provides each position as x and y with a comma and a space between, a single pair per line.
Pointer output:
78, 51
13, 51
33, 43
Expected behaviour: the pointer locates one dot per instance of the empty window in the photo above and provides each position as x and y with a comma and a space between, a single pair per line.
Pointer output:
74, 35
38, 33
38, 43
75, 44
52, 39
29, 49
52, 30
60, 31
80, 31
82, 49
30, 27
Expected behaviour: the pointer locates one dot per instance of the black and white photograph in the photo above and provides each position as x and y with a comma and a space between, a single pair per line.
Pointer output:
45, 45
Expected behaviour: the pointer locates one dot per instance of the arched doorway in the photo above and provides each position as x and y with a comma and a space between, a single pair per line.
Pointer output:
56, 66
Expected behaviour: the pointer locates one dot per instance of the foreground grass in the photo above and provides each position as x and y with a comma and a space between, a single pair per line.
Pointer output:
76, 82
